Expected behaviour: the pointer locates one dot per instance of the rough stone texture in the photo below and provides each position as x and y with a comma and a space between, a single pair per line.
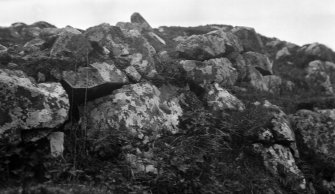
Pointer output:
268, 83
240, 65
25, 105
214, 44
134, 107
273, 83
218, 70
96, 80
259, 61
249, 39
137, 112
138, 19
320, 76
280, 162
219, 99
109, 37
133, 74
126, 43
71, 44
314, 51
94, 75
316, 131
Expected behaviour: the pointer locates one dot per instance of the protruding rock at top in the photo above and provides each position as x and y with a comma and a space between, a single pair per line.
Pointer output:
249, 39
96, 80
25, 105
71, 44
214, 44
315, 51
138, 19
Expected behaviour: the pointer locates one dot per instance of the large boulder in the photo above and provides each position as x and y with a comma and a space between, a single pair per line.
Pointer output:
249, 38
93, 81
135, 113
219, 70
214, 44
25, 105
71, 44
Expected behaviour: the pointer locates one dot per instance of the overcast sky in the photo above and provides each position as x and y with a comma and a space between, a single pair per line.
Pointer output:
297, 21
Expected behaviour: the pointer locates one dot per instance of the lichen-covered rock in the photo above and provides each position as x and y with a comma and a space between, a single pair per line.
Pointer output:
259, 61
96, 80
320, 76
218, 70
71, 44
109, 37
214, 44
316, 131
135, 108
249, 38
137, 112
25, 105
280, 162
128, 44
219, 99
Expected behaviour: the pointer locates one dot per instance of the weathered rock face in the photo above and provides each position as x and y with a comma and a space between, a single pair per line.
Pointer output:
315, 51
219, 99
218, 70
214, 44
259, 61
249, 39
25, 105
108, 37
321, 76
275, 142
137, 112
280, 162
128, 44
135, 108
96, 80
316, 131
71, 44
